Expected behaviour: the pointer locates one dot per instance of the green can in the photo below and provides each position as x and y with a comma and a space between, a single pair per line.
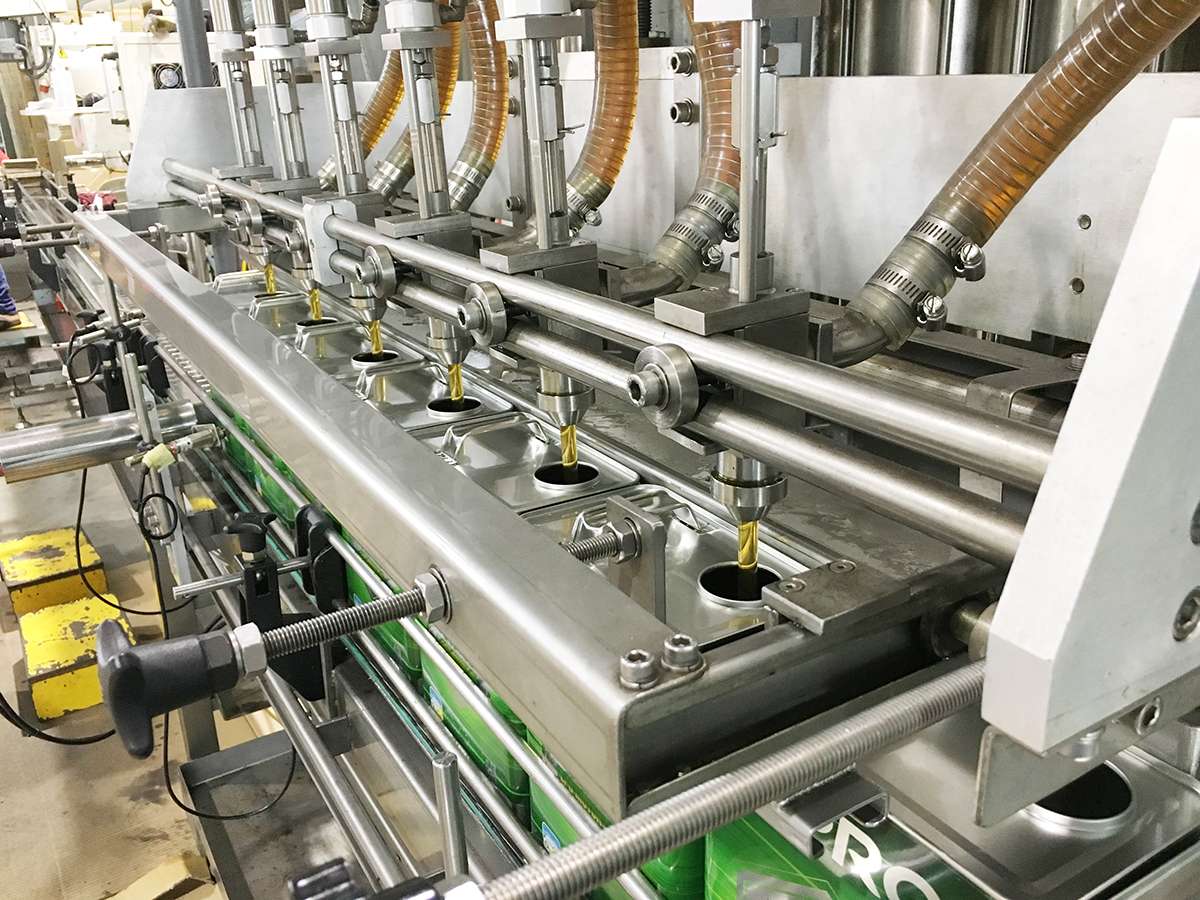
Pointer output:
750, 859
484, 748
393, 636
678, 875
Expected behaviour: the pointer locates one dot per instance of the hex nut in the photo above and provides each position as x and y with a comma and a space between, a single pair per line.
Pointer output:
639, 670
682, 653
628, 541
252, 653
434, 595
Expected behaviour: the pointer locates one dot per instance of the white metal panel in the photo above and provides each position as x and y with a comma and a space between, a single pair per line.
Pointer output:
1084, 628
864, 156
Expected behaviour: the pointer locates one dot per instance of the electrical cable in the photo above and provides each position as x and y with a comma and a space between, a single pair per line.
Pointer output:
153, 540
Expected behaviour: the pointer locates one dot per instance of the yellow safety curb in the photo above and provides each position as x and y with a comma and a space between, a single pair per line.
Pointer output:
60, 654
40, 569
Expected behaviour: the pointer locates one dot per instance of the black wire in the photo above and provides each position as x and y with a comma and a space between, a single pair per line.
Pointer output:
7, 711
13, 718
150, 536
166, 759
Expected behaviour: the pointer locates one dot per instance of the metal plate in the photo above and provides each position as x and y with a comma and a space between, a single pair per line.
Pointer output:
502, 457
696, 541
929, 780
403, 394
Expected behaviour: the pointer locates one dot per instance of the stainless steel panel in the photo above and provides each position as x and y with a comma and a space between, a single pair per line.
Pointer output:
1034, 853
502, 456
510, 586
404, 391
696, 541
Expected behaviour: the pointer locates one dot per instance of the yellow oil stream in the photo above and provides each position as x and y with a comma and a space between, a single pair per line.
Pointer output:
376, 334
454, 381
570, 447
314, 304
269, 275
748, 561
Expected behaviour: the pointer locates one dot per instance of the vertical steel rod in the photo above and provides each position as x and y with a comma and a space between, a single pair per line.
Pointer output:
450, 816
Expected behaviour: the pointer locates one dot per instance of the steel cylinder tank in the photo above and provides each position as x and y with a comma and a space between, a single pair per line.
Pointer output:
915, 37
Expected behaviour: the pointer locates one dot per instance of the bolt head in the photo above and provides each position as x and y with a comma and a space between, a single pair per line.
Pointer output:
681, 653
932, 313
841, 566
639, 670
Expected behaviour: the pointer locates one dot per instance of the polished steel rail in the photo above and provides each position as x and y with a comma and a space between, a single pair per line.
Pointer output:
1010, 451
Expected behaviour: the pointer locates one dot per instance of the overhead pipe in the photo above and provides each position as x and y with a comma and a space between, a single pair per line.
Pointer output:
396, 170
1000, 448
489, 114
83, 443
711, 211
1118, 40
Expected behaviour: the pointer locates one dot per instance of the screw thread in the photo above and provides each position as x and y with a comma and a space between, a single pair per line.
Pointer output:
322, 629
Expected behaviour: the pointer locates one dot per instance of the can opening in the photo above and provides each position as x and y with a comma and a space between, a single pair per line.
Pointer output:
558, 475
722, 582
446, 406
371, 359
1102, 797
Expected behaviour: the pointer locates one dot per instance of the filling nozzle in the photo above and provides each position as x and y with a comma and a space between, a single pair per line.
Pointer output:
748, 489
451, 343
566, 401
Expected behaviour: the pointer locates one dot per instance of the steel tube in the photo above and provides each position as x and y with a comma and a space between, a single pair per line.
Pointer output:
193, 43
1009, 451
273, 203
430, 301
222, 582
82, 443
1003, 449
601, 370
185, 193
751, 226
454, 841
576, 869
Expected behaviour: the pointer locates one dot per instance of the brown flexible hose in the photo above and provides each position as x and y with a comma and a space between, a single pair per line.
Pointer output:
1112, 45
703, 222
396, 170
489, 115
614, 107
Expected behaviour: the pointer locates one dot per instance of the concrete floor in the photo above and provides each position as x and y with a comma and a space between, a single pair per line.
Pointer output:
79, 823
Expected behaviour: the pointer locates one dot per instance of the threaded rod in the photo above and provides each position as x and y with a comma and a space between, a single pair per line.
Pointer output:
585, 865
605, 545
331, 626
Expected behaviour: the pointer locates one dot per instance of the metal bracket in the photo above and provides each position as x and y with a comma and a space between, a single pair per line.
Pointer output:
518, 258
835, 597
644, 577
801, 818
709, 311
321, 246
411, 225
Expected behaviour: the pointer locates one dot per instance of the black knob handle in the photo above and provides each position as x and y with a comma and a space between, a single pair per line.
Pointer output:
250, 528
143, 681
